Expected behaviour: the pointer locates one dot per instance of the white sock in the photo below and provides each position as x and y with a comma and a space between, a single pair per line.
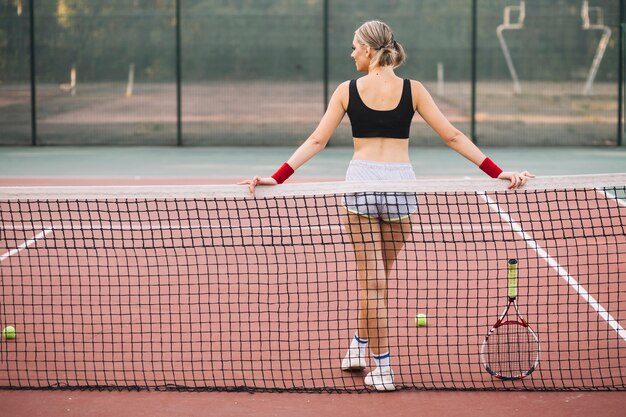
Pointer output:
383, 360
357, 342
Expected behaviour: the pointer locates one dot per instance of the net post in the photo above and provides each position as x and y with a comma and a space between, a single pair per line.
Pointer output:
73, 80
326, 55
620, 75
131, 80
179, 126
473, 75
33, 88
440, 79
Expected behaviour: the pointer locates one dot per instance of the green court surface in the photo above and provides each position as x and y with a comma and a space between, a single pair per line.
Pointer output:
331, 163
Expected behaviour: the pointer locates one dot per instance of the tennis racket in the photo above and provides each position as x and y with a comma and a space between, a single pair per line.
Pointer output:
510, 350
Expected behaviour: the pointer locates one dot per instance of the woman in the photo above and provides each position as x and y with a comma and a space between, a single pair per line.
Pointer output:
380, 106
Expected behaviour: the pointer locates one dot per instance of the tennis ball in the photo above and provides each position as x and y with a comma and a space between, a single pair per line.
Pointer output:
8, 332
420, 320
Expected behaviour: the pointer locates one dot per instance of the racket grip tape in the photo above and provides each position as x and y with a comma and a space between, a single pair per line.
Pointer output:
512, 278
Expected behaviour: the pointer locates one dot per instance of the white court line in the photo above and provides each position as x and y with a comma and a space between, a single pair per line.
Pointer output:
26, 244
517, 228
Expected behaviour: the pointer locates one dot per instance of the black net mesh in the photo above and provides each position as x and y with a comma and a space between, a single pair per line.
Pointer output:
207, 288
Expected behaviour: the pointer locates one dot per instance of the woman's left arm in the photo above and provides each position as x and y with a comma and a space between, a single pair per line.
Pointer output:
455, 139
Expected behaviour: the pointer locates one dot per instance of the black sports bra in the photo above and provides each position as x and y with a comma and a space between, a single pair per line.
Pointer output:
370, 123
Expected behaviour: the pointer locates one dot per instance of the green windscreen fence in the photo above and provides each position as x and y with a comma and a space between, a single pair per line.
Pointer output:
15, 88
251, 71
105, 72
259, 72
548, 72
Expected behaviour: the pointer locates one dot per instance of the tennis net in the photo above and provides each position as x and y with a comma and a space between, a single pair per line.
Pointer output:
207, 288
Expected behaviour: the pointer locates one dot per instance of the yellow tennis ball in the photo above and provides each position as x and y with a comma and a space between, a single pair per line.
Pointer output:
8, 332
420, 320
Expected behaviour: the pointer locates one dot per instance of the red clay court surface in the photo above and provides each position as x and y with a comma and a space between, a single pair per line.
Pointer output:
400, 403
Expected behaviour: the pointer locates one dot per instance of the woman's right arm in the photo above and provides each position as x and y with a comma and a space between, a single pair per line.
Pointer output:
317, 141
321, 135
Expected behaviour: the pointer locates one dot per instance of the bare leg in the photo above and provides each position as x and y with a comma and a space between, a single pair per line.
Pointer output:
394, 235
376, 246
366, 239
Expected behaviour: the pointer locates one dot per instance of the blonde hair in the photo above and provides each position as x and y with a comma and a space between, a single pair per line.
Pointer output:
378, 36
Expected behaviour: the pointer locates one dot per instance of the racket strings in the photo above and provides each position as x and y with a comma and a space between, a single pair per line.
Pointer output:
511, 350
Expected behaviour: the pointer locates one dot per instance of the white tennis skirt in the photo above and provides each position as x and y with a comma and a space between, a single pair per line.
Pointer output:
386, 206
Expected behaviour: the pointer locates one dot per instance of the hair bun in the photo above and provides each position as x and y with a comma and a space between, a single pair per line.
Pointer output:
378, 36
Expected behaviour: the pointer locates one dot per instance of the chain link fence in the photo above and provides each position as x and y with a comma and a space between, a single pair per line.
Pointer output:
259, 72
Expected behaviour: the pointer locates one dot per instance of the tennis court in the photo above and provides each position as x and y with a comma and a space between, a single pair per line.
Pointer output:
137, 279
145, 290
139, 320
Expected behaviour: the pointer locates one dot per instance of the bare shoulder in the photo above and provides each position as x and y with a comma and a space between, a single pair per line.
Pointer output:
343, 87
342, 93
418, 91
417, 87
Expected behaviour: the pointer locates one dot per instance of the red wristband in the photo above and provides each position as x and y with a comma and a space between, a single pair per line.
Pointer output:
490, 168
284, 172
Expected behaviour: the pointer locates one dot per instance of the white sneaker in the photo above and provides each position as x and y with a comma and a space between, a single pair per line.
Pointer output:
354, 360
381, 380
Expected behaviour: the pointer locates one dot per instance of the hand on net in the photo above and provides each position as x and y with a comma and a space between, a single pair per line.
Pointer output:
252, 184
517, 179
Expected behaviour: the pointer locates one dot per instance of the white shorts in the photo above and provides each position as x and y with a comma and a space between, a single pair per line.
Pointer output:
388, 207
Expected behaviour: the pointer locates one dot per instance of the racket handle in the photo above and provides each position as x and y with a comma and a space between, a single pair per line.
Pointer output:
512, 281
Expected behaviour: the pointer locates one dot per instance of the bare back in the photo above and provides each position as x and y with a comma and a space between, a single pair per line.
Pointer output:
381, 93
